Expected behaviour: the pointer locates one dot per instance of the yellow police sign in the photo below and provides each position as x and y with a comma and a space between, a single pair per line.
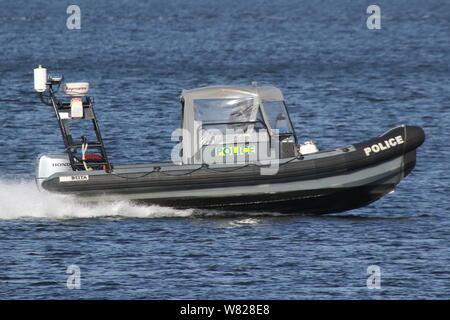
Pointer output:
235, 150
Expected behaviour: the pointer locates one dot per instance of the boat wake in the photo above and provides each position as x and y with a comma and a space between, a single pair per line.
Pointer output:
22, 200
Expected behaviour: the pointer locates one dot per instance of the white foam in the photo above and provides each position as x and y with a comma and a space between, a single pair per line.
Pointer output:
244, 222
22, 199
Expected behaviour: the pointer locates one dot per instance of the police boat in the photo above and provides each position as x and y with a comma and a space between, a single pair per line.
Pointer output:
238, 151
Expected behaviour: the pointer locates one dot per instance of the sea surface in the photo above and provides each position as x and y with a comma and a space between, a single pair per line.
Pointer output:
343, 83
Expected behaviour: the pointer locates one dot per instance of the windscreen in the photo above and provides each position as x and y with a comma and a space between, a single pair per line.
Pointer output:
277, 116
225, 114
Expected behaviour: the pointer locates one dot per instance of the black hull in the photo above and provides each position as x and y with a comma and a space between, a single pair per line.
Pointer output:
330, 181
322, 201
318, 202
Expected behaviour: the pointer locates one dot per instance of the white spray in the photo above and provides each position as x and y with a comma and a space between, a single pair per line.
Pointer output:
21, 199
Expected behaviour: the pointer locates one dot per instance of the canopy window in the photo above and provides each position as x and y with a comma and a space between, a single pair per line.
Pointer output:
278, 116
225, 114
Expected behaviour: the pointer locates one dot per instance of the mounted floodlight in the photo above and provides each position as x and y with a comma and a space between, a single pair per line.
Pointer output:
76, 108
40, 79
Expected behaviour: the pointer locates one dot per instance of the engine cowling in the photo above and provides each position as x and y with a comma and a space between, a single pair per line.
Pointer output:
49, 164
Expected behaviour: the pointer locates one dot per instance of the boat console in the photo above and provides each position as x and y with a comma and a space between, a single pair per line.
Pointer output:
226, 124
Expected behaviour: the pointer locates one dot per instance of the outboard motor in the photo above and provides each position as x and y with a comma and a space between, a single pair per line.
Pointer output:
49, 164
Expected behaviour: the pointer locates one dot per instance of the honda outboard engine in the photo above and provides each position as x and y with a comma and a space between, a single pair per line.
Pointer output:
49, 164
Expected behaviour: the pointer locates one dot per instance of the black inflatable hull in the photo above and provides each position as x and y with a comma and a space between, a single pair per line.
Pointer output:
329, 181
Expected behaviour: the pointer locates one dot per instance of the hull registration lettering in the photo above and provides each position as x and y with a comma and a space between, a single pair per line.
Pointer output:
74, 178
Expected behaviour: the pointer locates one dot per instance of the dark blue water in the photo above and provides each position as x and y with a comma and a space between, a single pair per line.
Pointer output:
343, 83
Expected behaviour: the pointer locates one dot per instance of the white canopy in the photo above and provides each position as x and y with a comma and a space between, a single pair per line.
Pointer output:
229, 92
209, 113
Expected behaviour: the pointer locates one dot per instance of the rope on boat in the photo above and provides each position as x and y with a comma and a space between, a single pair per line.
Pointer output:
203, 166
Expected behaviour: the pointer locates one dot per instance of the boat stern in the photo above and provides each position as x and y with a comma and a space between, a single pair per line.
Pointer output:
49, 164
